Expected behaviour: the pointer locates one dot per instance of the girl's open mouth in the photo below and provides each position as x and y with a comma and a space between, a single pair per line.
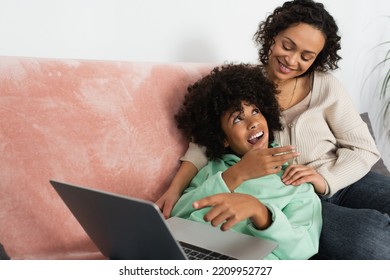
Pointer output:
254, 138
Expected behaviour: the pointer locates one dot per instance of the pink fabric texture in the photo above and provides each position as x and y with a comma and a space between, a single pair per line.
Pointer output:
102, 124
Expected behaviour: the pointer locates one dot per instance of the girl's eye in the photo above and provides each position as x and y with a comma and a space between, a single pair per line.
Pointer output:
255, 111
237, 119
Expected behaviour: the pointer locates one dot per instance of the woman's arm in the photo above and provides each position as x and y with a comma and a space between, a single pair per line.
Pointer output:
181, 180
193, 160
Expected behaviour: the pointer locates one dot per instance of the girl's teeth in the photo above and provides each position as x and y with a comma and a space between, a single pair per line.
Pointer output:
256, 135
253, 140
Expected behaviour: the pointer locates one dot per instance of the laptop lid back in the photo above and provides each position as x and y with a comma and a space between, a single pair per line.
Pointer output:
121, 230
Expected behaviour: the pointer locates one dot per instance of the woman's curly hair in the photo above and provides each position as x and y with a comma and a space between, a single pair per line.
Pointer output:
295, 12
223, 89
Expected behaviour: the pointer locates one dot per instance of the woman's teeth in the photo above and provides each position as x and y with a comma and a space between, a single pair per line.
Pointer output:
284, 69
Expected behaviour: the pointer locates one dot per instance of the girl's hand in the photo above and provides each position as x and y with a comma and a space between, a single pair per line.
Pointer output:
230, 208
298, 174
258, 162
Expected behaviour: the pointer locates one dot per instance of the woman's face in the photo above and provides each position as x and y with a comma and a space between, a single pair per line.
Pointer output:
294, 51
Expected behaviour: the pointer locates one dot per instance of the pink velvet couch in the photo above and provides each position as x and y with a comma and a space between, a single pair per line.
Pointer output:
103, 124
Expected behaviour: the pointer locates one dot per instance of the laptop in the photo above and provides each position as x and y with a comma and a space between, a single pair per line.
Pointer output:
130, 228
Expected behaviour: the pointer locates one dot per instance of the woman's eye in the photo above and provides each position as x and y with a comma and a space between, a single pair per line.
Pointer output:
255, 111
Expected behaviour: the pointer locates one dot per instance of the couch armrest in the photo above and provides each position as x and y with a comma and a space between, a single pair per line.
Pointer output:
379, 166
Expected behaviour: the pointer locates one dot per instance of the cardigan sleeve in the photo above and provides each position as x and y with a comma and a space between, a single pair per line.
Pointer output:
334, 137
196, 155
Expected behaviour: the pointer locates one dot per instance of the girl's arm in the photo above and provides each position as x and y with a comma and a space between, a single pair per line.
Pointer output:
258, 162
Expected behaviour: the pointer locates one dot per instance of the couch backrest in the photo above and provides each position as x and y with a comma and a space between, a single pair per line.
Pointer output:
102, 124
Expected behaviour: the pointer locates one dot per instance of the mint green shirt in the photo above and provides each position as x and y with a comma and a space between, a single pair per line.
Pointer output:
296, 211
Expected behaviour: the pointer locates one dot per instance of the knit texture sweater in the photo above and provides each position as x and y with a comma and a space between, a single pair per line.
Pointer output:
330, 136
296, 211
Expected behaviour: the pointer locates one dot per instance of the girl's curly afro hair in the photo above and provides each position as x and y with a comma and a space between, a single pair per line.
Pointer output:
223, 89
301, 11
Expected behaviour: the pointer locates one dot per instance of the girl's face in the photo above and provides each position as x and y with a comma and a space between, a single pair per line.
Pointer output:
244, 128
294, 51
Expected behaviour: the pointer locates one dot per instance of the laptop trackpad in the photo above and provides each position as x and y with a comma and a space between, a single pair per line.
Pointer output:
236, 245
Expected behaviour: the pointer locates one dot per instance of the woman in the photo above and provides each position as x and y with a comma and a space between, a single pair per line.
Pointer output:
298, 45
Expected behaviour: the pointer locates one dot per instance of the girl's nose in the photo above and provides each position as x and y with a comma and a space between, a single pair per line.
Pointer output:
253, 123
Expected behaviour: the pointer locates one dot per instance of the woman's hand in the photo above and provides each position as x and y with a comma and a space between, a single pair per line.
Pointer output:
167, 201
258, 162
230, 208
183, 177
298, 174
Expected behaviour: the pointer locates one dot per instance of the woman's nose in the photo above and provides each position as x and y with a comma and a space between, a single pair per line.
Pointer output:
292, 59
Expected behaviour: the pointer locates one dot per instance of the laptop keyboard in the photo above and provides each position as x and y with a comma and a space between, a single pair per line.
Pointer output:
197, 253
